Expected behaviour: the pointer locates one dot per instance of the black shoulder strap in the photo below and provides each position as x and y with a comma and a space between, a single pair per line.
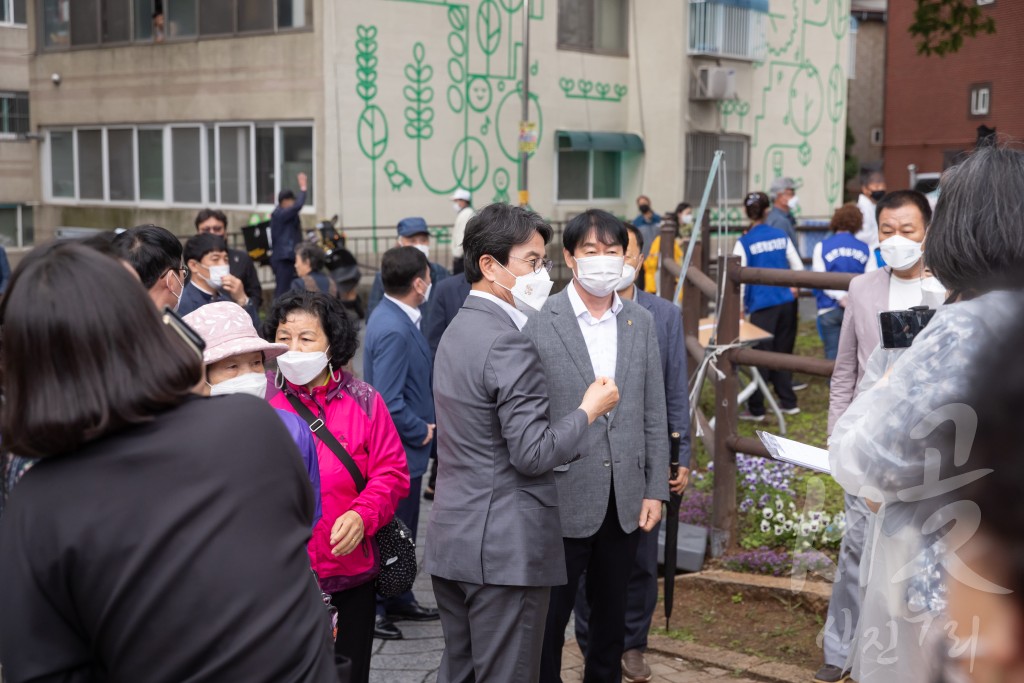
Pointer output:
317, 426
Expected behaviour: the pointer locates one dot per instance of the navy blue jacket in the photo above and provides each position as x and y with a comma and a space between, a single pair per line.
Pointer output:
5, 270
668, 323
286, 230
322, 280
437, 274
193, 297
397, 363
448, 298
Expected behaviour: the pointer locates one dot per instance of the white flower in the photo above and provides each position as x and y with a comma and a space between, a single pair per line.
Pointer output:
765, 526
788, 525
778, 530
767, 513
778, 504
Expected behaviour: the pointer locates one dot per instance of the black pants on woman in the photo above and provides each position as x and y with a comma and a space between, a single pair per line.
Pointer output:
357, 608
781, 321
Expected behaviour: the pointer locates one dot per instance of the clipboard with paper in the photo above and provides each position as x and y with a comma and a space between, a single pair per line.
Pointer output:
796, 453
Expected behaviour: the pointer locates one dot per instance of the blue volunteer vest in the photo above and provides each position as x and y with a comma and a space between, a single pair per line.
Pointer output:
765, 247
842, 253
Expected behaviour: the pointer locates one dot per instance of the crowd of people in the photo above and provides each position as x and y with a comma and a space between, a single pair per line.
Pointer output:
195, 486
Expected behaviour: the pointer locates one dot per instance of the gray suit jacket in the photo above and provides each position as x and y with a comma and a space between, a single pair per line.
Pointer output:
495, 515
858, 337
629, 447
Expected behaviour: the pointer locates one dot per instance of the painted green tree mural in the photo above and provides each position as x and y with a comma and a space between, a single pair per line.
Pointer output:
372, 129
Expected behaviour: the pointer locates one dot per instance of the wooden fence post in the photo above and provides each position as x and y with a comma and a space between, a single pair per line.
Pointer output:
669, 227
723, 515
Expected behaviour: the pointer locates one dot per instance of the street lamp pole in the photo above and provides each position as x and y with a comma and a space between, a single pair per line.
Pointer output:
524, 157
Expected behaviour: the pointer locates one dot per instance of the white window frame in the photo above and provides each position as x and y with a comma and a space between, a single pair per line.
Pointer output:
168, 165
976, 100
589, 199
19, 239
12, 24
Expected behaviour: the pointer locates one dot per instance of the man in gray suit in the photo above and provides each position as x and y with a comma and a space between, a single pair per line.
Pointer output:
494, 547
617, 489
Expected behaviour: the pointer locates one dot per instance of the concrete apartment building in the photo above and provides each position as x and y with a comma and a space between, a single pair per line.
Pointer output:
866, 111
18, 155
934, 106
151, 109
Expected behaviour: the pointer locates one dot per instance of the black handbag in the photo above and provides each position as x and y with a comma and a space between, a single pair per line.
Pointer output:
393, 543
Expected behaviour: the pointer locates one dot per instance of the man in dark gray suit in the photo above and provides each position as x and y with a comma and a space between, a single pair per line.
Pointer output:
494, 546
617, 488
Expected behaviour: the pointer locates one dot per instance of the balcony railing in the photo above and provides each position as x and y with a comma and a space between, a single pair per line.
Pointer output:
724, 29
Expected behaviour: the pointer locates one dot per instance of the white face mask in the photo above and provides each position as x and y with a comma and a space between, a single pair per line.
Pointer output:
900, 253
793, 202
302, 367
181, 291
426, 294
217, 274
687, 219
456, 207
423, 248
627, 279
599, 275
530, 291
252, 383
933, 292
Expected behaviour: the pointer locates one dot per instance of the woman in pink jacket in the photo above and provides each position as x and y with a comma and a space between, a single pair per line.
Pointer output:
321, 341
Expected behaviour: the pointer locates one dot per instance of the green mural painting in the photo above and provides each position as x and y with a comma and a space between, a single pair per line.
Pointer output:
372, 129
584, 89
814, 93
728, 108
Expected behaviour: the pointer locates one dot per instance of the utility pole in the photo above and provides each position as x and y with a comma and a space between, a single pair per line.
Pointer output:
524, 156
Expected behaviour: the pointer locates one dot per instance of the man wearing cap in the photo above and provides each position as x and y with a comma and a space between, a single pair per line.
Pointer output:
784, 201
462, 204
233, 364
285, 234
412, 232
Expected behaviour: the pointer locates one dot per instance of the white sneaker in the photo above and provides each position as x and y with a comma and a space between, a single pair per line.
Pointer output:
791, 411
801, 386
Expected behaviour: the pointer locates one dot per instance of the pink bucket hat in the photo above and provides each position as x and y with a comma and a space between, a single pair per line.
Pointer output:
227, 330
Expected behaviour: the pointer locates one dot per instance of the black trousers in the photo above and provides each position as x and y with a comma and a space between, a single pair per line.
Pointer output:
356, 612
284, 273
781, 321
641, 596
607, 557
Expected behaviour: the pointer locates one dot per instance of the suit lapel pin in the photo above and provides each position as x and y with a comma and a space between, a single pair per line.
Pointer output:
629, 322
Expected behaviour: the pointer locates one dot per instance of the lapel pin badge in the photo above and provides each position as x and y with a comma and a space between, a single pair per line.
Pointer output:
629, 322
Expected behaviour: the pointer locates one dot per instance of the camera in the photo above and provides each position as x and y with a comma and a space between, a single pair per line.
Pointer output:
899, 328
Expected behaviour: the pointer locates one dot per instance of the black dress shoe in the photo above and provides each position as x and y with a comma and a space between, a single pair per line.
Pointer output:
413, 612
385, 630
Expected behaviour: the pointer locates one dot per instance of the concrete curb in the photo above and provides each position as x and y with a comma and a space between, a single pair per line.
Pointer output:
735, 662
813, 595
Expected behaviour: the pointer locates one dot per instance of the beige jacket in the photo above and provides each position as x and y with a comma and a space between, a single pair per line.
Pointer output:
869, 295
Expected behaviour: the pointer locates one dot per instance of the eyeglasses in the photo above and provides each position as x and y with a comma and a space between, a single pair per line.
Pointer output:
183, 269
536, 264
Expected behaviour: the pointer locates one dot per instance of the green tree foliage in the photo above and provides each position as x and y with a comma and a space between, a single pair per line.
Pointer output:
940, 26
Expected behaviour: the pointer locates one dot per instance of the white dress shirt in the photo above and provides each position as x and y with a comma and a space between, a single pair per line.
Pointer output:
600, 336
869, 226
518, 317
414, 313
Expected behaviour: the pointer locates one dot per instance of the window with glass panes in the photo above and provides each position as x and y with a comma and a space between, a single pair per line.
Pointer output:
587, 175
594, 26
236, 164
94, 22
13, 113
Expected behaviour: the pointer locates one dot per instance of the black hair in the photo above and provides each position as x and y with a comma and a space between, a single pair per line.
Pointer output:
202, 244
976, 242
399, 267
608, 229
682, 206
313, 255
151, 251
84, 353
871, 177
901, 198
342, 334
635, 231
285, 194
756, 204
494, 231
996, 390
206, 214
103, 242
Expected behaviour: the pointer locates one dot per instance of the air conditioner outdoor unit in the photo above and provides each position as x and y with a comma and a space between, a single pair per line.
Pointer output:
715, 83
